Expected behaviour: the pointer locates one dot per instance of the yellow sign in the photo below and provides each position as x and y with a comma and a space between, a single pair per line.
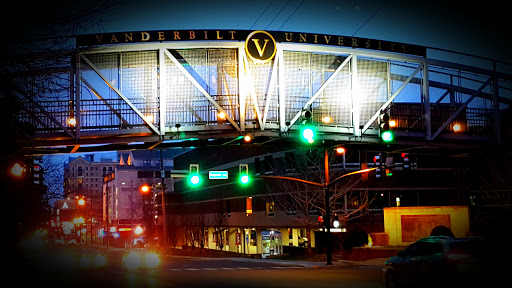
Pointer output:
260, 46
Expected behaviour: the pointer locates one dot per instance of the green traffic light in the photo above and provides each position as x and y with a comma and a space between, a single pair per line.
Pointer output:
195, 179
244, 179
308, 134
387, 136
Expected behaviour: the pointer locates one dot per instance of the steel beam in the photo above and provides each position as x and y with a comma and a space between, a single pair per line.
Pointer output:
133, 107
321, 89
385, 105
462, 107
200, 88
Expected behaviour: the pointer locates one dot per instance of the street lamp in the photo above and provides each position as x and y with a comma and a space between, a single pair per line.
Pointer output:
17, 170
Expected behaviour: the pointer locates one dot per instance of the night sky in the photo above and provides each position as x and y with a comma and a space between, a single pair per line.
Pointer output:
481, 28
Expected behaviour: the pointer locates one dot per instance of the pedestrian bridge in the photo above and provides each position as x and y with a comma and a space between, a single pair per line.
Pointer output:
163, 87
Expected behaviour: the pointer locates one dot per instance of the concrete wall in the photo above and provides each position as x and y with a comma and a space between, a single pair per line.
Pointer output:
405, 225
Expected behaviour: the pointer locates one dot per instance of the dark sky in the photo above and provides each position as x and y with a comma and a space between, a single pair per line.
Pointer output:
482, 28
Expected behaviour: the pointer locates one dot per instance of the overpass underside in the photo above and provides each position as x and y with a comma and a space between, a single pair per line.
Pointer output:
165, 94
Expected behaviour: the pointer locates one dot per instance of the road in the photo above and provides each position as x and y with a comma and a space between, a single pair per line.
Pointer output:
57, 269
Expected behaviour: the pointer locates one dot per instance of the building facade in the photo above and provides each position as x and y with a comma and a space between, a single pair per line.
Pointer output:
125, 205
83, 176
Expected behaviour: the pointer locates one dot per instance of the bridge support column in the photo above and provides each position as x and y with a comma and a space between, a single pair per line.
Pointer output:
356, 106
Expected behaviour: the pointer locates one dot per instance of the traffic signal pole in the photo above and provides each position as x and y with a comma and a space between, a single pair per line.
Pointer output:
327, 208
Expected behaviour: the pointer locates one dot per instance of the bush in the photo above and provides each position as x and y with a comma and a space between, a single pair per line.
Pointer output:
355, 238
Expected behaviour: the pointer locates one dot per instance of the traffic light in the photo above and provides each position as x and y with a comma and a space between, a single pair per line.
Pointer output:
388, 166
406, 165
244, 173
386, 134
307, 131
194, 177
377, 162
144, 188
80, 201
321, 221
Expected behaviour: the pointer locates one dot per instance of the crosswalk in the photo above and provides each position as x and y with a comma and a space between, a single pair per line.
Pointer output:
199, 269
225, 268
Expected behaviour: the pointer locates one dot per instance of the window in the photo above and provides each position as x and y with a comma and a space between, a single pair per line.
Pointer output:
145, 174
270, 208
80, 170
253, 238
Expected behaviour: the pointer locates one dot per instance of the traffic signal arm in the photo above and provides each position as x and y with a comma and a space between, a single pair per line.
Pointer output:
349, 174
290, 178
325, 185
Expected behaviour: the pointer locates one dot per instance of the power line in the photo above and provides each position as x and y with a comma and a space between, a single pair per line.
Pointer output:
261, 15
373, 15
277, 15
291, 15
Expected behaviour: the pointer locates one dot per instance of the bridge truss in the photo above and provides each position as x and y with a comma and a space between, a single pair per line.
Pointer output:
168, 93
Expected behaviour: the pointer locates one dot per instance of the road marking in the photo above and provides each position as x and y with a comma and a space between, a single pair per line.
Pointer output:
227, 268
192, 269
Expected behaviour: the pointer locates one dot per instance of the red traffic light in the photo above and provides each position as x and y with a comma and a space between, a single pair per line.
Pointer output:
144, 188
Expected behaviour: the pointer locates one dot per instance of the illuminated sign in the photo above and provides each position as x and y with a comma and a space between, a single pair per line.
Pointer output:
260, 42
218, 174
260, 46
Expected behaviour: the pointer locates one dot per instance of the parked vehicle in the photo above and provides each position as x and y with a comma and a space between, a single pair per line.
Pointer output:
437, 261
303, 241
139, 241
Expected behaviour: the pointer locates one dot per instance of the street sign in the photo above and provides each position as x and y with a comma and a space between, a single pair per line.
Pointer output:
218, 174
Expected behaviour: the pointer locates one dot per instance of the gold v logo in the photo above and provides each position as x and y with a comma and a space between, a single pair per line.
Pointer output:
258, 47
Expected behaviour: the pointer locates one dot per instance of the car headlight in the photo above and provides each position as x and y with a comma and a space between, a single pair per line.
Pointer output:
131, 260
100, 261
152, 260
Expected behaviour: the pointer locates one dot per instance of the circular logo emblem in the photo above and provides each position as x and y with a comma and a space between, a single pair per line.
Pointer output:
260, 46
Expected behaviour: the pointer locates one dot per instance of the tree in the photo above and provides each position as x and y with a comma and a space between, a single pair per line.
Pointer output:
35, 68
302, 200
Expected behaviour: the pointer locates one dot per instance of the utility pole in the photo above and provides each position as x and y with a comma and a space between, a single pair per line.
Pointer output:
164, 214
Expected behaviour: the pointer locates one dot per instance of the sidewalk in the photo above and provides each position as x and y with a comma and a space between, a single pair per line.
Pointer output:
303, 263
318, 261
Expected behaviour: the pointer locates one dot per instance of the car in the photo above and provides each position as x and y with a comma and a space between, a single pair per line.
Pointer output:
91, 258
303, 241
437, 261
139, 241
